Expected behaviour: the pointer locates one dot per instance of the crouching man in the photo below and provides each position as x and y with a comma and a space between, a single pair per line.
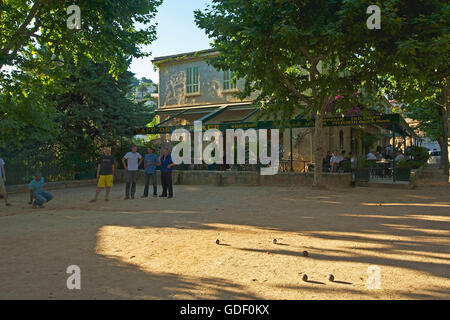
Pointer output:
37, 192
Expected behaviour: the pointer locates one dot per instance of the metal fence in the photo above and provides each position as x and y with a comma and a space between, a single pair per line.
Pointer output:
22, 171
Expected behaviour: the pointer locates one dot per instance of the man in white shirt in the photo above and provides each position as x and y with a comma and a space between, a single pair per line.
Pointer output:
134, 160
399, 156
3, 181
334, 161
371, 156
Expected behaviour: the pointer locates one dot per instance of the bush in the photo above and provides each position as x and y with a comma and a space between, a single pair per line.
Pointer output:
420, 154
415, 164
403, 164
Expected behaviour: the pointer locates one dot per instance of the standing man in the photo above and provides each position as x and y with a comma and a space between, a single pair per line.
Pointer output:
353, 167
37, 192
3, 182
105, 173
150, 162
166, 173
134, 160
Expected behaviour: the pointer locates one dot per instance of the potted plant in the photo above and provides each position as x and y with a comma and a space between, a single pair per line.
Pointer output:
402, 171
362, 172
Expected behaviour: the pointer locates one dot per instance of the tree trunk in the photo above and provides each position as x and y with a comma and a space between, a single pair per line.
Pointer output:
318, 151
441, 147
446, 118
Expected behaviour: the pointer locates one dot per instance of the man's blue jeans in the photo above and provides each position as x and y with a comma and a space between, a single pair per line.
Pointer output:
42, 197
147, 182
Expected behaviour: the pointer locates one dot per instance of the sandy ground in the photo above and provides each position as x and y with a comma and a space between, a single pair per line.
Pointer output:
165, 249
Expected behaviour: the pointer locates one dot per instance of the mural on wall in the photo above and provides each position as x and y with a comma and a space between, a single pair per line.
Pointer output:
173, 93
215, 90
174, 89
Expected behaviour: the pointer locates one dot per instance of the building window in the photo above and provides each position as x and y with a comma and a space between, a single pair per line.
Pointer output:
228, 82
192, 80
341, 140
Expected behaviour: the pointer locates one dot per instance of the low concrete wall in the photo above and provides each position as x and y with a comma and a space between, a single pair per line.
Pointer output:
212, 178
245, 178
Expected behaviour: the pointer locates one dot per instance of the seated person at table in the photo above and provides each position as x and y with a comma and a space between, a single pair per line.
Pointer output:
334, 161
371, 156
399, 156
342, 156
388, 148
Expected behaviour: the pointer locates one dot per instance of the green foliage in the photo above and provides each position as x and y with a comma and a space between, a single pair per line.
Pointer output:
107, 33
282, 49
95, 110
415, 164
92, 111
368, 141
403, 164
31, 32
362, 161
409, 56
413, 43
429, 116
420, 154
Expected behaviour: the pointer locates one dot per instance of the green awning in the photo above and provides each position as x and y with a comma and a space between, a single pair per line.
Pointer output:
385, 121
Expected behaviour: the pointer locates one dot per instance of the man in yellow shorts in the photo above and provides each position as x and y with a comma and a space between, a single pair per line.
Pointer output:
105, 174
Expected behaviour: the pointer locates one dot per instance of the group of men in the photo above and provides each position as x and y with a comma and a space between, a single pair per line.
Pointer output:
105, 175
131, 163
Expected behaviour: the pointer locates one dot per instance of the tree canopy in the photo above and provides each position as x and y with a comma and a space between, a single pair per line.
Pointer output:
411, 51
34, 35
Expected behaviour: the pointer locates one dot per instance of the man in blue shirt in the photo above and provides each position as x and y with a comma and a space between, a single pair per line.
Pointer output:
166, 173
150, 162
37, 192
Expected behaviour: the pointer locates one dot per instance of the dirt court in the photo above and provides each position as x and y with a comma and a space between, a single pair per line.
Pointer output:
165, 248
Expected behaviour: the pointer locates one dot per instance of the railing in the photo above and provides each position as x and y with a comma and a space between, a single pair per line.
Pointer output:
22, 171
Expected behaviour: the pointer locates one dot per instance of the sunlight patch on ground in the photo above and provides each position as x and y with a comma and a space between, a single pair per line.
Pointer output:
437, 205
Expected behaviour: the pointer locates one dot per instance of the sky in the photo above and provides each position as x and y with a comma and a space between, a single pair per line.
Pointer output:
176, 32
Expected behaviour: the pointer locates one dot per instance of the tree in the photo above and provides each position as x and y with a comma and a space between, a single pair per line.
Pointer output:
429, 117
95, 111
33, 34
107, 32
412, 48
290, 52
